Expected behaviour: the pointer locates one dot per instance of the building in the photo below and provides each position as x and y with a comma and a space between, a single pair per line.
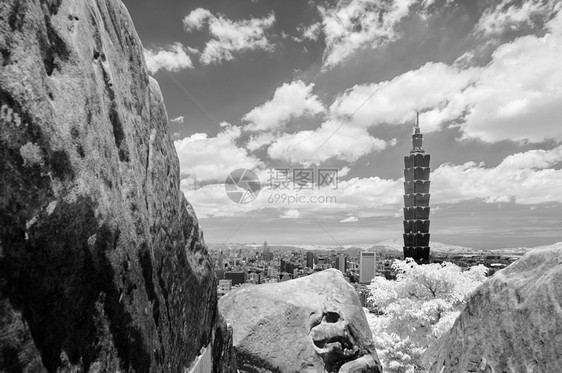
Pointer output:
267, 255
224, 287
341, 263
272, 272
310, 259
416, 200
253, 278
367, 267
237, 278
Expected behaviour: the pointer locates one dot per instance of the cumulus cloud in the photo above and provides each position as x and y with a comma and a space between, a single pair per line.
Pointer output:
331, 140
510, 14
227, 36
310, 32
260, 140
291, 100
352, 25
207, 159
515, 97
397, 100
177, 119
525, 178
196, 19
290, 214
356, 24
171, 58
351, 219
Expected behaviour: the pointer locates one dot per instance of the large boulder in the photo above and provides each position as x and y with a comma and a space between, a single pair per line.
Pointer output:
102, 263
512, 323
311, 324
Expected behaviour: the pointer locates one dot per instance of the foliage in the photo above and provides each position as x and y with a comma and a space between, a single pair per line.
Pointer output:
418, 307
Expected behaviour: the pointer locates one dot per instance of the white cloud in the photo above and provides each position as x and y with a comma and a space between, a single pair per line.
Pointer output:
196, 19
510, 14
352, 25
260, 140
526, 178
351, 219
229, 37
397, 100
370, 196
205, 159
310, 32
515, 97
289, 101
290, 214
177, 119
344, 171
172, 58
331, 140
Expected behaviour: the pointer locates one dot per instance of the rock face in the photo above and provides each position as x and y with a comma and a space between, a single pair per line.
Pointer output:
102, 262
311, 324
513, 322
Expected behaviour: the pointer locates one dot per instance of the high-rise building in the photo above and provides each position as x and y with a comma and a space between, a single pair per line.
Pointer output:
367, 267
310, 259
267, 255
237, 277
341, 263
416, 200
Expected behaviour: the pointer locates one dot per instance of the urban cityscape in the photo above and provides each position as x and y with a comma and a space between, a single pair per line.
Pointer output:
238, 265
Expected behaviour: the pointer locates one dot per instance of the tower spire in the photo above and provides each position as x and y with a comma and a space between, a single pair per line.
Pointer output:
417, 137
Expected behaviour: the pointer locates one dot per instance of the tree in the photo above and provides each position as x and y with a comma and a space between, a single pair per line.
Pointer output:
417, 308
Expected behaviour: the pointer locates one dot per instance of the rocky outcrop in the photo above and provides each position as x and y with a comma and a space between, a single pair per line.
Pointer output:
102, 263
311, 324
512, 323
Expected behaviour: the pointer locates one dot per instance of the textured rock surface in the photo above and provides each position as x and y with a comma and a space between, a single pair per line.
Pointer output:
102, 263
311, 324
513, 322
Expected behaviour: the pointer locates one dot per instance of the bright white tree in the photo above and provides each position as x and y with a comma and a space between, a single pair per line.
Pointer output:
411, 312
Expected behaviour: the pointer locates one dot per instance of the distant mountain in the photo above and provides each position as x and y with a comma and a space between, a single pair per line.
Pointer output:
396, 246
436, 247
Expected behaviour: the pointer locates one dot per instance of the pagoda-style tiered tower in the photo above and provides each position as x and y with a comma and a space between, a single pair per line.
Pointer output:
416, 200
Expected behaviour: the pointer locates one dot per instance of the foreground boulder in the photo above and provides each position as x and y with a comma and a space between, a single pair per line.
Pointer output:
512, 323
102, 262
311, 324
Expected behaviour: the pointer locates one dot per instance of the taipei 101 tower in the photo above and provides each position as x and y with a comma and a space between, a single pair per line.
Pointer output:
416, 200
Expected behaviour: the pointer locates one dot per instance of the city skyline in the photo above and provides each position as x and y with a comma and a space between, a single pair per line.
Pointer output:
326, 83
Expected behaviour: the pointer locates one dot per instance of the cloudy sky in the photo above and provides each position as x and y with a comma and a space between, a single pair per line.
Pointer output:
269, 85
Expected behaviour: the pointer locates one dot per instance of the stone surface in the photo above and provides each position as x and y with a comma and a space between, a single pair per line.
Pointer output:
512, 323
102, 263
311, 324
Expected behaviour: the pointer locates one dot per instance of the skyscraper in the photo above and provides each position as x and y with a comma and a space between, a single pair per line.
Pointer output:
341, 263
416, 200
367, 267
310, 259
267, 255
